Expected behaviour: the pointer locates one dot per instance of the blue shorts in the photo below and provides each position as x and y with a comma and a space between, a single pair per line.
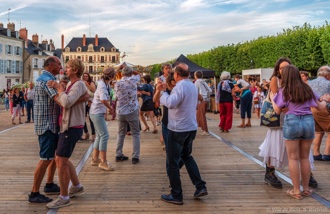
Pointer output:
67, 141
47, 145
298, 127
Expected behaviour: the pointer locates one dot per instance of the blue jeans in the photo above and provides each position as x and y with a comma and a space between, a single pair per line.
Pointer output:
133, 121
298, 127
29, 106
180, 147
6, 103
101, 131
246, 104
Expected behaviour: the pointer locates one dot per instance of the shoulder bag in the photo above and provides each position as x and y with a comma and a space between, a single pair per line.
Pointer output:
268, 116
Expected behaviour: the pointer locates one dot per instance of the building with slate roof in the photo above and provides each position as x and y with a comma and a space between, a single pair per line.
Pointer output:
11, 56
35, 54
96, 52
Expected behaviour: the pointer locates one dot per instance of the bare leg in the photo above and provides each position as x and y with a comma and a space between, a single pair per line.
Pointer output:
317, 143
39, 174
96, 154
51, 171
73, 174
152, 118
103, 156
292, 147
63, 174
327, 145
305, 167
143, 119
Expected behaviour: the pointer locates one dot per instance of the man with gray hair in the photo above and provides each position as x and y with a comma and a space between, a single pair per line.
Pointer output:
321, 86
128, 112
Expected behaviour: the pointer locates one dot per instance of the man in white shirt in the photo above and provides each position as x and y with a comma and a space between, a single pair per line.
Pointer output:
29, 97
182, 125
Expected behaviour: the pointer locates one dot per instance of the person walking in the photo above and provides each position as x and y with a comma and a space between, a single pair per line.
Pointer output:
29, 97
203, 89
182, 125
71, 121
46, 114
128, 113
17, 102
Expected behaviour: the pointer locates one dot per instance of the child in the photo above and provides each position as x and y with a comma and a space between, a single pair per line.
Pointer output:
298, 128
258, 98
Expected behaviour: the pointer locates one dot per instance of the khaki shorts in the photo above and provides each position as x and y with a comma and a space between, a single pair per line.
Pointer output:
322, 120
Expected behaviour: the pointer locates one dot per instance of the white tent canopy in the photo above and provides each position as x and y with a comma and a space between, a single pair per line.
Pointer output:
124, 63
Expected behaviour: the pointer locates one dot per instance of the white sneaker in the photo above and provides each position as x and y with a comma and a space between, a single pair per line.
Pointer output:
59, 202
74, 191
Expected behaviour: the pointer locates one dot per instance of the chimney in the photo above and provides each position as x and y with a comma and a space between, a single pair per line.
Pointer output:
84, 40
11, 26
1, 25
44, 42
62, 42
23, 33
35, 38
96, 40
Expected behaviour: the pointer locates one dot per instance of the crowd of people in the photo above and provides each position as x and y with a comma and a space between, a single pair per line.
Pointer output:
59, 110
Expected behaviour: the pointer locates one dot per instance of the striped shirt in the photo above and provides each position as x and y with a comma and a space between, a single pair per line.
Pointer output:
46, 110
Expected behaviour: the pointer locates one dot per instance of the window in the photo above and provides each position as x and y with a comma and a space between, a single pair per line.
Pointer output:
17, 52
8, 66
90, 48
102, 49
79, 49
90, 59
8, 49
66, 59
43, 63
79, 57
113, 59
90, 70
13, 67
17, 67
2, 68
35, 62
102, 58
0, 48
67, 49
113, 49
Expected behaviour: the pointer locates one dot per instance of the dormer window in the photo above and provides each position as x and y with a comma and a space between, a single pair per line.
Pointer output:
113, 49
102, 49
67, 49
90, 48
79, 49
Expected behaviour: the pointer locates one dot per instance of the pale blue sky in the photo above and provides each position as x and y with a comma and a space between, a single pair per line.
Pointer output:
154, 31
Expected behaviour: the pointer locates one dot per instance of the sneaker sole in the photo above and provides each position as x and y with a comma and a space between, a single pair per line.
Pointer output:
173, 202
59, 206
77, 194
52, 193
107, 169
201, 194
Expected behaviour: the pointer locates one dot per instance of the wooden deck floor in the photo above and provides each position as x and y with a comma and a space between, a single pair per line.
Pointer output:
235, 183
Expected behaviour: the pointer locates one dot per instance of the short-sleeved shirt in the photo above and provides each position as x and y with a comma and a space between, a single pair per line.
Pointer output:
126, 93
102, 93
295, 108
46, 110
320, 85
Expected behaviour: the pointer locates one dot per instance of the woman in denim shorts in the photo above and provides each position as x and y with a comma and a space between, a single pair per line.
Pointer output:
298, 129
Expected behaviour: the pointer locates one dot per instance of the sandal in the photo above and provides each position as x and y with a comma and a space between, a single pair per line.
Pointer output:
146, 129
307, 193
248, 125
291, 193
241, 126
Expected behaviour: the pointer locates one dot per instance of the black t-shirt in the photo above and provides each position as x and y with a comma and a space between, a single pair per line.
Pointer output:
226, 96
165, 112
